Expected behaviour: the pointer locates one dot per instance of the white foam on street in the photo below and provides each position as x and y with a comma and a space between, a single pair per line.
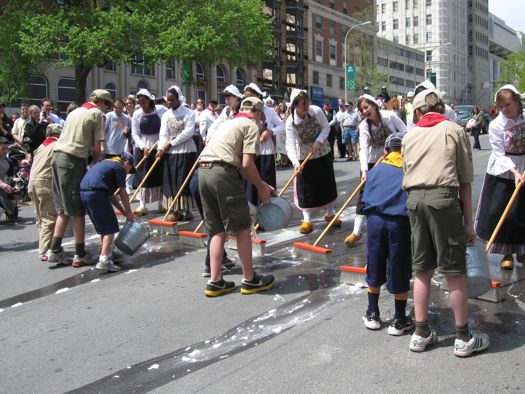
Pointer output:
63, 290
154, 366
17, 305
130, 271
95, 280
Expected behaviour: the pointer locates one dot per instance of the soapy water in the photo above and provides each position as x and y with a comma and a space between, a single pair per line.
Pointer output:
151, 374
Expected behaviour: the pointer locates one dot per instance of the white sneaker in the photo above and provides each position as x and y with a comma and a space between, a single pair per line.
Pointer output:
107, 266
372, 321
57, 258
116, 255
478, 342
82, 261
419, 344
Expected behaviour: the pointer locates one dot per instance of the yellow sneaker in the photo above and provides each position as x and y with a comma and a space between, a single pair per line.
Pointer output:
306, 227
328, 219
352, 240
507, 262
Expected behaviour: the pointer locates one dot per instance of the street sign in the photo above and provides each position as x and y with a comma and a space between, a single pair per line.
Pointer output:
350, 77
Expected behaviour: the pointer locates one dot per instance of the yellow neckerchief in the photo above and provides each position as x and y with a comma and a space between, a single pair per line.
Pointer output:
394, 159
116, 159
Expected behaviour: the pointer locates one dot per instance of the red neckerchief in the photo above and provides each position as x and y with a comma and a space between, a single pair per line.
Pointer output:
213, 112
243, 115
89, 105
431, 119
49, 141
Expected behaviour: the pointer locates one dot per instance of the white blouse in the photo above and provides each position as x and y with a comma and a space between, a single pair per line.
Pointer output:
226, 114
274, 123
369, 153
141, 140
178, 127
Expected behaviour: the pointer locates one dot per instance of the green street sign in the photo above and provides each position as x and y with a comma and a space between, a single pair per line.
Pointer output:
350, 77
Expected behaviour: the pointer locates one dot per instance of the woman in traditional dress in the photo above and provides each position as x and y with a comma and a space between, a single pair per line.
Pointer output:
232, 97
307, 130
175, 139
145, 128
504, 172
374, 129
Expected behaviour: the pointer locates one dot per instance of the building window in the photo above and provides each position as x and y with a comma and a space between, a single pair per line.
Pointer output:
395, 6
170, 68
315, 77
221, 77
420, 72
429, 36
428, 3
341, 83
139, 66
407, 6
200, 94
429, 19
66, 90
142, 85
383, 8
383, 26
241, 79
345, 7
397, 81
329, 80
332, 4
408, 22
407, 39
416, 3
332, 53
220, 98
428, 56
396, 24
395, 39
318, 21
199, 72
416, 38
38, 88
381, 61
415, 22
109, 66
319, 50
112, 89
409, 69
332, 29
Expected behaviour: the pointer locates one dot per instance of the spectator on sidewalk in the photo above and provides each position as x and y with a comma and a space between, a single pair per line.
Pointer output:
48, 115
117, 130
19, 125
7, 170
34, 130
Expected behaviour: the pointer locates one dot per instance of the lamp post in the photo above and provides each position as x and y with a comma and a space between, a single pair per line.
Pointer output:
346, 50
428, 62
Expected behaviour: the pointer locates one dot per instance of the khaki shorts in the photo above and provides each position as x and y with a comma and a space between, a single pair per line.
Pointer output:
68, 172
438, 233
224, 201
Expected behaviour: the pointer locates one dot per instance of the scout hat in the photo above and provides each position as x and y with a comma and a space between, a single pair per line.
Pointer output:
125, 156
252, 103
419, 100
101, 94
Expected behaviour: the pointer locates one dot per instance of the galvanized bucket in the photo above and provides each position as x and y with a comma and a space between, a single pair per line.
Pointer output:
132, 236
478, 272
276, 215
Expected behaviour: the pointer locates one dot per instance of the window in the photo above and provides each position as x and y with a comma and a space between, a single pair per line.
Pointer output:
341, 83
109, 66
407, 39
139, 65
415, 22
408, 22
220, 98
318, 21
332, 4
395, 39
199, 72
396, 24
395, 6
66, 90
241, 79
332, 53
345, 7
416, 4
315, 77
428, 3
429, 36
319, 50
383, 26
381, 61
332, 29
409, 69
420, 58
407, 6
416, 38
420, 72
200, 94
142, 85
112, 89
221, 77
383, 8
170, 68
397, 81
429, 19
329, 80
38, 88
428, 56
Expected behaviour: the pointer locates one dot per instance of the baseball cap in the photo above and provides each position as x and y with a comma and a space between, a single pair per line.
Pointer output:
125, 156
101, 94
252, 103
419, 100
394, 140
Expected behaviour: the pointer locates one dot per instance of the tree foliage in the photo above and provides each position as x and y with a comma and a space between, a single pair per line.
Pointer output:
513, 70
83, 34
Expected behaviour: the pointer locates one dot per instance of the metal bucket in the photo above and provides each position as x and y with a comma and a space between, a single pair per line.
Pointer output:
276, 215
478, 272
132, 237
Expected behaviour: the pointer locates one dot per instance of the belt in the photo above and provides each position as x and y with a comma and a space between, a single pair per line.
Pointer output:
213, 164
94, 189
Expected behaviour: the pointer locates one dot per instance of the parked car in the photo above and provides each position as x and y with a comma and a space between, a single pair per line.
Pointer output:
464, 114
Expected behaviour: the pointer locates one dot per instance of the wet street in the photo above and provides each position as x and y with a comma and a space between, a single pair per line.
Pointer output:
149, 327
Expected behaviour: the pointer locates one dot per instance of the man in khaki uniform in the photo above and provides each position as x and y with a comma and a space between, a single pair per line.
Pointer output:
437, 162
229, 155
84, 129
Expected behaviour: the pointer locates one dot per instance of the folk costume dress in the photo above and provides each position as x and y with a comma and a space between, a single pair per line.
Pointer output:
507, 139
315, 186
178, 127
145, 128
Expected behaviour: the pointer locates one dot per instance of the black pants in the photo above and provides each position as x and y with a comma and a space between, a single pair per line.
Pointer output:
340, 146
475, 133
331, 140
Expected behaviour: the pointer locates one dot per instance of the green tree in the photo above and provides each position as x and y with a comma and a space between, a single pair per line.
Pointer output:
83, 34
513, 70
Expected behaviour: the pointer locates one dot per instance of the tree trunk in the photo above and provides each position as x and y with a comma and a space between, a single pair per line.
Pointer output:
81, 74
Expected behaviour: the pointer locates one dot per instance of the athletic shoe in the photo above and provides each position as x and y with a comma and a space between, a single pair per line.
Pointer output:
141, 211
116, 255
171, 217
371, 320
306, 227
59, 258
82, 261
419, 344
400, 326
478, 342
226, 262
352, 240
220, 287
507, 262
43, 257
107, 266
257, 284
207, 271
187, 216
328, 219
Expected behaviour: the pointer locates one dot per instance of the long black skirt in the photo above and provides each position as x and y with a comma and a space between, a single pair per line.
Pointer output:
176, 169
495, 195
266, 166
315, 186
156, 177
360, 206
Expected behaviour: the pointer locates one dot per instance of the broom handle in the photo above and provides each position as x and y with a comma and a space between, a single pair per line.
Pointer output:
294, 175
138, 165
345, 205
144, 180
181, 189
199, 227
505, 213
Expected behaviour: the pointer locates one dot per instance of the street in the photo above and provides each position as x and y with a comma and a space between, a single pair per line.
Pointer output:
149, 328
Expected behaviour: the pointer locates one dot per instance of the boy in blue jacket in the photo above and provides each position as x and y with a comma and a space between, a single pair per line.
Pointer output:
389, 256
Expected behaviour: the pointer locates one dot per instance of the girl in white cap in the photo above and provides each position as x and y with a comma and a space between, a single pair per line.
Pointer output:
233, 97
374, 129
145, 128
307, 130
504, 172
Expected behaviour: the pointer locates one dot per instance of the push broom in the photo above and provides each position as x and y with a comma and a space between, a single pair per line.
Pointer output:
166, 226
318, 253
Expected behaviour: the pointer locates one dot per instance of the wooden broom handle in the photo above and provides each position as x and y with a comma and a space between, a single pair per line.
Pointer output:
138, 165
345, 205
181, 189
144, 180
198, 227
505, 213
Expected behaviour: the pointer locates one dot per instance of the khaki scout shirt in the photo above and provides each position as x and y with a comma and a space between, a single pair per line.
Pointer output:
437, 156
231, 140
82, 128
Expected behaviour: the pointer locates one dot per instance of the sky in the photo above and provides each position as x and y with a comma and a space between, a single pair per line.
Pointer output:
511, 11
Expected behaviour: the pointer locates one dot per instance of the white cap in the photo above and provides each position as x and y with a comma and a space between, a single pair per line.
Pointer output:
410, 94
255, 88
294, 93
145, 93
370, 98
427, 85
510, 87
179, 93
233, 90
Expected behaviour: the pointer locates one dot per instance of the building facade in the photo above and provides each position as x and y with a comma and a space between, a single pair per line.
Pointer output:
479, 91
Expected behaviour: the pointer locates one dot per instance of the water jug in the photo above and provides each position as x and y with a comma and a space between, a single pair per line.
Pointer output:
132, 237
276, 215
478, 272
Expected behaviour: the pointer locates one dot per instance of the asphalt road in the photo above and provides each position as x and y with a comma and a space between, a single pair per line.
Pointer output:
149, 328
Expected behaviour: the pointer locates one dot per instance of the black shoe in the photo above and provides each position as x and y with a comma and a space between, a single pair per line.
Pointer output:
207, 271
214, 289
226, 262
400, 326
257, 284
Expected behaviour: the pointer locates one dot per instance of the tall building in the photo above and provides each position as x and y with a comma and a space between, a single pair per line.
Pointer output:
479, 91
